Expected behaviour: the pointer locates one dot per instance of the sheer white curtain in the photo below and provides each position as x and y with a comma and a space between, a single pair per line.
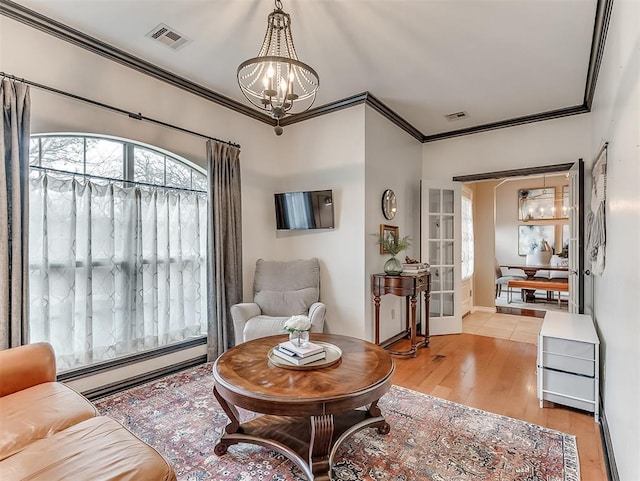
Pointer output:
467, 237
114, 270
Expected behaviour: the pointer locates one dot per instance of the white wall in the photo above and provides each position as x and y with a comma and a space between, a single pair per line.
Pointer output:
550, 142
323, 153
358, 154
484, 234
393, 161
616, 119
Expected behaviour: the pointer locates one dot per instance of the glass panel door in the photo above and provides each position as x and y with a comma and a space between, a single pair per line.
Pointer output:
441, 248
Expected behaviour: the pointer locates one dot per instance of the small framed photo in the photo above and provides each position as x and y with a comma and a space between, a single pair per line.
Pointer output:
387, 232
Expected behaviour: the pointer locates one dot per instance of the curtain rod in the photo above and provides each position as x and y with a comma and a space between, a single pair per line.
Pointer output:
136, 116
112, 180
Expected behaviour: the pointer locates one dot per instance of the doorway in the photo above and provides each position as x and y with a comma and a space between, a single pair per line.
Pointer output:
514, 211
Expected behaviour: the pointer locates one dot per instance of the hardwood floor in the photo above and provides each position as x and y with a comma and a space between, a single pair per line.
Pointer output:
498, 375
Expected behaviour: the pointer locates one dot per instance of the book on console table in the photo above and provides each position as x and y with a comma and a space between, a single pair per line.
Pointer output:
308, 350
298, 360
417, 266
414, 272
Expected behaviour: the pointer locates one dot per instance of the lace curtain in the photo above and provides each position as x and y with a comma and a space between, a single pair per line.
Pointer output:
114, 270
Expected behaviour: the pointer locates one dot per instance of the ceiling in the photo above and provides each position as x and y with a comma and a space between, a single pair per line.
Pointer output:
497, 60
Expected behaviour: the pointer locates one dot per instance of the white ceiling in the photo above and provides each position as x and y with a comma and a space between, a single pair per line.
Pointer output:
495, 59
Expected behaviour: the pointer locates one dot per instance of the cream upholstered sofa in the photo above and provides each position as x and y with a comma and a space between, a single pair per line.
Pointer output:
281, 289
49, 432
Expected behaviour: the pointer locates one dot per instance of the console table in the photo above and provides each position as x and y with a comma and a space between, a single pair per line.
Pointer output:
410, 287
568, 361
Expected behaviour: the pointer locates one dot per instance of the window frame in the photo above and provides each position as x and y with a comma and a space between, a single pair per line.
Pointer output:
128, 179
128, 162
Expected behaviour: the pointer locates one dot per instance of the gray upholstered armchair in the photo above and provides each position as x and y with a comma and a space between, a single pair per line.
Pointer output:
280, 290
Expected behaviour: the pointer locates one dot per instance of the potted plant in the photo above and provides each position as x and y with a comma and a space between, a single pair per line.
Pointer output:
393, 244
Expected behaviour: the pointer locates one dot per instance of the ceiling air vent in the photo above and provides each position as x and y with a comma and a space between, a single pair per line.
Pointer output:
168, 37
457, 115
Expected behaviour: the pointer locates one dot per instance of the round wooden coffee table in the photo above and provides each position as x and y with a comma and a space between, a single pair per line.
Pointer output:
308, 414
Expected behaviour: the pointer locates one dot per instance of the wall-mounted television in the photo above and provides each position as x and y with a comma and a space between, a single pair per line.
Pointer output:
304, 210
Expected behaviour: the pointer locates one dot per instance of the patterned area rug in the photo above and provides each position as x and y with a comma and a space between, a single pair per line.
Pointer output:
430, 439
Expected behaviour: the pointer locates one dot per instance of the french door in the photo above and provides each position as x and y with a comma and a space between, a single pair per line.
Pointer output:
441, 248
576, 236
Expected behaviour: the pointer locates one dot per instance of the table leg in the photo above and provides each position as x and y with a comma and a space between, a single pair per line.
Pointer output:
320, 443
230, 411
299, 438
414, 347
376, 303
427, 297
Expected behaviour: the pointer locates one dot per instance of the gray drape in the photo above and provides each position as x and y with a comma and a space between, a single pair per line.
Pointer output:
14, 213
224, 261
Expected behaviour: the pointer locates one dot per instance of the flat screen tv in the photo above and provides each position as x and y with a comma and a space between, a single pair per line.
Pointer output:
304, 210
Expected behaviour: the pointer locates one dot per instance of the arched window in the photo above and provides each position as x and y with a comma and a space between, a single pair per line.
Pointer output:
117, 247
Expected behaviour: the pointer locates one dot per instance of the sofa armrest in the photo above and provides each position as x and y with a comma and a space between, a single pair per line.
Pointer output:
26, 366
241, 313
317, 312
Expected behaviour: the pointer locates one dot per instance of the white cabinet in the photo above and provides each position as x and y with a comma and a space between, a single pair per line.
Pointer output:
568, 361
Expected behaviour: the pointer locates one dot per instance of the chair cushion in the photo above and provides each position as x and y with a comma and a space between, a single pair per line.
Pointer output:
289, 303
286, 275
262, 326
96, 449
38, 412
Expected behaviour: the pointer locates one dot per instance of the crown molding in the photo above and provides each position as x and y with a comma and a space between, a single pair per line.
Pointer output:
527, 119
326, 109
392, 116
40, 22
52, 27
598, 41
365, 97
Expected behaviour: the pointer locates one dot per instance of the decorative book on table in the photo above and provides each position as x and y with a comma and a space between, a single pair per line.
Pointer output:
417, 266
309, 348
415, 272
299, 360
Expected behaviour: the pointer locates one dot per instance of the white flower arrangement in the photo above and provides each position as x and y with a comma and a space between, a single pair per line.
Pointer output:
297, 323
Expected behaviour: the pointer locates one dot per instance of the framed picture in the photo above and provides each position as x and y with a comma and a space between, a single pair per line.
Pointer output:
530, 237
536, 203
386, 233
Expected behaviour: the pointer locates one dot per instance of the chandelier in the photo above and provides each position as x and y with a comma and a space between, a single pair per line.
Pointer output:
276, 81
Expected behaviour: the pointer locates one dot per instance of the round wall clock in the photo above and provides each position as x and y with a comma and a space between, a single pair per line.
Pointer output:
389, 206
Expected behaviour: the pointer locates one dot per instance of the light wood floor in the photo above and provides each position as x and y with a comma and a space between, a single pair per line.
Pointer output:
498, 375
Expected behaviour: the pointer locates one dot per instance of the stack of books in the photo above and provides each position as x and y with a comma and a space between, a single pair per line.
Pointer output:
415, 269
299, 355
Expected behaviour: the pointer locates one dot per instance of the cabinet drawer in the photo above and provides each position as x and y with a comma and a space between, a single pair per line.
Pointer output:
585, 350
568, 385
585, 367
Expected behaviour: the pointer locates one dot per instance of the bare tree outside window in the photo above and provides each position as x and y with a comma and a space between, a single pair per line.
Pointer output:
105, 158
148, 166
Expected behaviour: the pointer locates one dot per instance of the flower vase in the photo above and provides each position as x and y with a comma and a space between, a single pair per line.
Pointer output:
299, 338
393, 266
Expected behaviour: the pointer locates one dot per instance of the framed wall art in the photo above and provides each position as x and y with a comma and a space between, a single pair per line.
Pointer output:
531, 236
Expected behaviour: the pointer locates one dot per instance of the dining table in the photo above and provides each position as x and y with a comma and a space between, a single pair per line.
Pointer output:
530, 271
528, 295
